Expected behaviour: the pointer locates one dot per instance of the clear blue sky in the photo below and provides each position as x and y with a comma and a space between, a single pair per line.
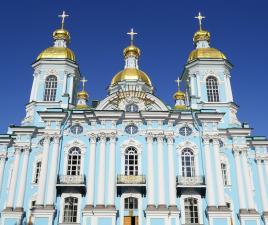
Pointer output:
238, 28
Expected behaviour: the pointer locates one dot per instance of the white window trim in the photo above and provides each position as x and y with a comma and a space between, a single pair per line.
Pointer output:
37, 159
122, 204
200, 209
66, 195
124, 146
193, 147
225, 160
44, 85
67, 147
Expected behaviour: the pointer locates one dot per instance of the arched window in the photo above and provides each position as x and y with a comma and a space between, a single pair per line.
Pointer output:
191, 211
224, 174
74, 161
187, 162
212, 89
50, 88
70, 210
131, 161
131, 203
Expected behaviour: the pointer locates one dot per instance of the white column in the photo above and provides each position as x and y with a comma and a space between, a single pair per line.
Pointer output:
33, 88
219, 184
111, 181
91, 172
37, 83
192, 85
264, 196
101, 179
198, 86
71, 82
12, 185
171, 173
64, 85
249, 192
3, 156
209, 178
23, 176
150, 171
230, 88
52, 179
160, 167
43, 172
240, 185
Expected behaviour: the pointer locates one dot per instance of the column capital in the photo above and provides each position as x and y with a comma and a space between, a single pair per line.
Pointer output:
56, 138
93, 138
26, 149
160, 137
206, 140
102, 137
112, 137
170, 139
149, 137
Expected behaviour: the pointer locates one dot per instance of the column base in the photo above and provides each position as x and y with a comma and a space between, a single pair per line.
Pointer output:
100, 207
151, 207
110, 207
41, 212
246, 215
162, 207
265, 217
18, 209
173, 208
15, 216
8, 209
248, 211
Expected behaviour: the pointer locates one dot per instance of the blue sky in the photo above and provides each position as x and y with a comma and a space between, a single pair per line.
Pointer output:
98, 30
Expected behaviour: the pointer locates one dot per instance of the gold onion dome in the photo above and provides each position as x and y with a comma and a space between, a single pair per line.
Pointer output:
59, 51
82, 95
201, 35
131, 74
179, 95
132, 50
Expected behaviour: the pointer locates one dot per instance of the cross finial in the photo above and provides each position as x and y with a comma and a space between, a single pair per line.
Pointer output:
178, 82
63, 16
200, 17
83, 82
132, 34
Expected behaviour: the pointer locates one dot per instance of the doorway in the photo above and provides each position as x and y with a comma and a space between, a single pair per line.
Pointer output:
131, 220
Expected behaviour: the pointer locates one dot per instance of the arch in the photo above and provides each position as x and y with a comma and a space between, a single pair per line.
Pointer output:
50, 92
187, 163
131, 161
212, 89
74, 162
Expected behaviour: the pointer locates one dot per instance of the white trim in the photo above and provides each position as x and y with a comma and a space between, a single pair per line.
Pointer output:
200, 209
194, 148
67, 147
224, 159
66, 195
124, 146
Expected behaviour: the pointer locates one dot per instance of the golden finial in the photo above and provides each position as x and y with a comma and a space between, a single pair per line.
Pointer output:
83, 83
63, 16
132, 34
200, 18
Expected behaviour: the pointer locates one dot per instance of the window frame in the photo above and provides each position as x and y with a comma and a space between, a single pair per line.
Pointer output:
50, 88
135, 203
192, 209
212, 86
37, 171
188, 170
63, 197
71, 157
128, 157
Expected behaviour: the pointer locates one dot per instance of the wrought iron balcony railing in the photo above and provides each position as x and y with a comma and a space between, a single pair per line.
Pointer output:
131, 179
71, 179
190, 181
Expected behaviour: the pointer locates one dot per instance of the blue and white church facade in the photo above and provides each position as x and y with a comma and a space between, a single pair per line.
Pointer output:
129, 159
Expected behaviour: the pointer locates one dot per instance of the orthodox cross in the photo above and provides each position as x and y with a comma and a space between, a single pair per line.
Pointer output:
178, 82
200, 17
132, 34
63, 16
83, 82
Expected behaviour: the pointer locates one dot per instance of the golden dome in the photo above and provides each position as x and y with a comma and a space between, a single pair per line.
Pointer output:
61, 34
132, 50
131, 74
206, 53
201, 35
57, 53
179, 95
82, 95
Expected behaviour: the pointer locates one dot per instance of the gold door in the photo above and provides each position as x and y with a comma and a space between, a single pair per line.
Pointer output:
131, 220
127, 220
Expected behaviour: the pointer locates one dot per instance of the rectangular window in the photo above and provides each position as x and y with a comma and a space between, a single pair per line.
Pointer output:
224, 174
37, 172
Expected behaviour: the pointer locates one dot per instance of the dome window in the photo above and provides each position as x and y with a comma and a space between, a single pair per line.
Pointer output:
132, 108
185, 131
77, 129
131, 129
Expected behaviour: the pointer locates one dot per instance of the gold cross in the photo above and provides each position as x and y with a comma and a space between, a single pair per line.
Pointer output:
63, 16
83, 82
178, 82
200, 17
132, 34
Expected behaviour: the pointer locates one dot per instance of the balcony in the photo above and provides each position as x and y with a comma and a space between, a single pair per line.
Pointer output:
76, 183
131, 182
191, 184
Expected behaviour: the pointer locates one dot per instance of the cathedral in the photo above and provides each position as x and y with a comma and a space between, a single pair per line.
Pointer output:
130, 159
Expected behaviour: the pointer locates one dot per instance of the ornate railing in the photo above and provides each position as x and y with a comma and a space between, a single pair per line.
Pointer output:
189, 181
131, 179
71, 179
